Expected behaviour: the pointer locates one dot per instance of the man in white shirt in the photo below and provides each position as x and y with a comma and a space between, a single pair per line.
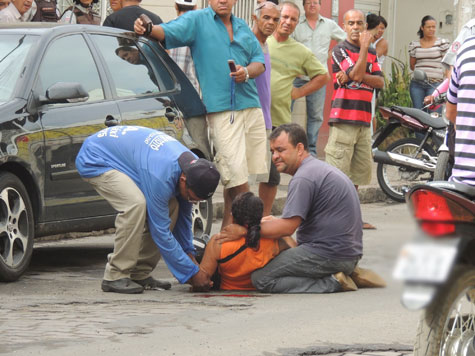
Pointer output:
315, 32
18, 11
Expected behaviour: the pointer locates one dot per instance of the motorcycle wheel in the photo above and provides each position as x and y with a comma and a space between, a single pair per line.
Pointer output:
447, 326
396, 180
441, 169
202, 217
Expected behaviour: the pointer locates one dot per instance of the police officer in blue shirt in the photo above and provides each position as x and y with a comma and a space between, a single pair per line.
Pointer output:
152, 180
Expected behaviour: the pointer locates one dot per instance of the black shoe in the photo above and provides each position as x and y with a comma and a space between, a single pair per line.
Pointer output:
123, 285
152, 283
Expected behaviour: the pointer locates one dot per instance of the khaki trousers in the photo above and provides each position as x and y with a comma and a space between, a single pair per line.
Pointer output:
135, 253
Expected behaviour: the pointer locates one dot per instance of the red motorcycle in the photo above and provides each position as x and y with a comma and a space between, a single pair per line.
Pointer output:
438, 268
410, 160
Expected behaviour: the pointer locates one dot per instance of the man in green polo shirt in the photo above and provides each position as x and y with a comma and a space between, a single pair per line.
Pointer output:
290, 59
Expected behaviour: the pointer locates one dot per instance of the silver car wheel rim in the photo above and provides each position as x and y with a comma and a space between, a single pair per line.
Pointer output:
13, 227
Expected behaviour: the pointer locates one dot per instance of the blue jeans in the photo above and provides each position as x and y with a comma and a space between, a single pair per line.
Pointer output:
419, 91
315, 103
297, 270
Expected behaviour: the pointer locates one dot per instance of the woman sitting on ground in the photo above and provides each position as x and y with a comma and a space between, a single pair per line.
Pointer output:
254, 252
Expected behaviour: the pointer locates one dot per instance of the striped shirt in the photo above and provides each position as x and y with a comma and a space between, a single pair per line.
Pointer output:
429, 59
462, 93
182, 57
351, 103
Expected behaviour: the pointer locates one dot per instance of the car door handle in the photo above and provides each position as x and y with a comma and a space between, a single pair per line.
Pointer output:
111, 121
170, 113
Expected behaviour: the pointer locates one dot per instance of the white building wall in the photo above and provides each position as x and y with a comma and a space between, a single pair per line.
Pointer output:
404, 19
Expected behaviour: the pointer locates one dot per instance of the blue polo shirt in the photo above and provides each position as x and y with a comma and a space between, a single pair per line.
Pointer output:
211, 48
150, 158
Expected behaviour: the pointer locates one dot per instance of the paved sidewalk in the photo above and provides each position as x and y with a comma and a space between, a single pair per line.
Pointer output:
371, 193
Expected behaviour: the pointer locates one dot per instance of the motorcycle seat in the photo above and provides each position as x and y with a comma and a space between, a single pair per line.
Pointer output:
462, 188
435, 122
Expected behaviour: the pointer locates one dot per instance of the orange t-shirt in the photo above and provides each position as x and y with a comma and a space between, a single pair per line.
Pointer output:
236, 273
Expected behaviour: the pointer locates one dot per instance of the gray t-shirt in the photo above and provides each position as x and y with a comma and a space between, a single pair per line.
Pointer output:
327, 201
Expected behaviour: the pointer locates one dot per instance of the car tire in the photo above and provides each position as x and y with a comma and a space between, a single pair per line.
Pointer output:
16, 228
202, 217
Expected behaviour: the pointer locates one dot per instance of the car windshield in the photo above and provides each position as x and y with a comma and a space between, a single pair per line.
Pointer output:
13, 53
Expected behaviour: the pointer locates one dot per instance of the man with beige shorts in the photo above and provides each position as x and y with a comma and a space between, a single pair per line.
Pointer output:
356, 73
235, 118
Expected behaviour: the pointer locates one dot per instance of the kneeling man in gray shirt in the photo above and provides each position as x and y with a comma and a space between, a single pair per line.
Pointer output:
322, 203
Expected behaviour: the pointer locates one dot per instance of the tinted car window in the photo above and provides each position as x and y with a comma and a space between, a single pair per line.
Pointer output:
164, 76
131, 71
13, 53
68, 59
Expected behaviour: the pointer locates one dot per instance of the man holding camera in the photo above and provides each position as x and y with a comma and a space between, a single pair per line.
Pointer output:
235, 117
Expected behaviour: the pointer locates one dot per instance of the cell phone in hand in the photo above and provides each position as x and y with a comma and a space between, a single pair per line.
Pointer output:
232, 65
147, 23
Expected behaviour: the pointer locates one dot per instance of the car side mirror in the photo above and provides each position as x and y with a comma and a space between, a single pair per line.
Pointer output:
61, 92
420, 75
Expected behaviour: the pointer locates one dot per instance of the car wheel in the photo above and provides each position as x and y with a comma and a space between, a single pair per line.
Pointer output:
202, 217
16, 228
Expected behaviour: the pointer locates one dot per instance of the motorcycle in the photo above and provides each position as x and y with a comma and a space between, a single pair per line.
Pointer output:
438, 268
410, 160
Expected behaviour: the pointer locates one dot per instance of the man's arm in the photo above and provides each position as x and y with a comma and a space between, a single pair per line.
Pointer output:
271, 229
314, 84
157, 30
286, 242
254, 69
358, 71
375, 81
451, 111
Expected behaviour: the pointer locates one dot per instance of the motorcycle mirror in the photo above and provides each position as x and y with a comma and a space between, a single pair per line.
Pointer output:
420, 75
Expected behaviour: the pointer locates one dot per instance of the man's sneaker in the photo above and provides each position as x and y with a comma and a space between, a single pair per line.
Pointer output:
123, 285
366, 278
152, 283
346, 282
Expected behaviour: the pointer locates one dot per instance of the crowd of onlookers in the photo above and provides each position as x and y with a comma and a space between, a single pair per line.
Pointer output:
248, 79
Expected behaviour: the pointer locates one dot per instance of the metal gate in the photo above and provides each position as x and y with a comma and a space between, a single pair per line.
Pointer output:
368, 6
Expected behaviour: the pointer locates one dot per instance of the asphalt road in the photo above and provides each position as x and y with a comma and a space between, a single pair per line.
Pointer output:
57, 308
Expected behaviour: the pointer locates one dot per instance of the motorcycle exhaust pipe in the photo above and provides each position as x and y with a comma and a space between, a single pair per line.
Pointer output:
396, 159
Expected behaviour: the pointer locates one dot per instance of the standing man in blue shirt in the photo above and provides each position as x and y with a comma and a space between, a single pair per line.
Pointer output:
316, 32
235, 117
152, 180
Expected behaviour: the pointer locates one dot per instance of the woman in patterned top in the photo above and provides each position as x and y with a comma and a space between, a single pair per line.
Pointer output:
426, 54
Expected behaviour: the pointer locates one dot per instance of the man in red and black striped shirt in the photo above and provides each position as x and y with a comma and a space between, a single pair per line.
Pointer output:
356, 73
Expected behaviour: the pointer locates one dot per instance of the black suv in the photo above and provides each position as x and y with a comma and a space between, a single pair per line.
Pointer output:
58, 85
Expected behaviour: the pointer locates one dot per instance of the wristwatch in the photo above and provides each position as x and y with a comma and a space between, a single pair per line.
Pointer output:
247, 75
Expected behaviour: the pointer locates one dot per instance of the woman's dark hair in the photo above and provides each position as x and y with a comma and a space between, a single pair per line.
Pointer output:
373, 21
383, 21
247, 211
423, 22
79, 1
